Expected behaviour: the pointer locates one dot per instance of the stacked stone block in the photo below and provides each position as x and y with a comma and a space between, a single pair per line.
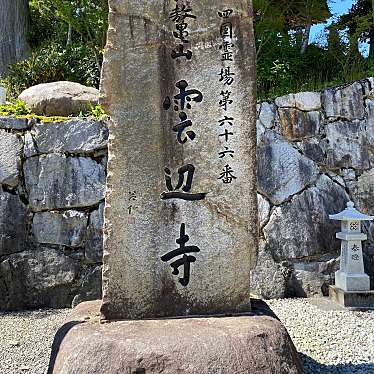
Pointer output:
315, 152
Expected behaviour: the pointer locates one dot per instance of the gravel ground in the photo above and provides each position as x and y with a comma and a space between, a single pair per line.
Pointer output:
329, 339
26, 340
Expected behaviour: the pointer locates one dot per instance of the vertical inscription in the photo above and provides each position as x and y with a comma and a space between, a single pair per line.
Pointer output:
183, 101
227, 79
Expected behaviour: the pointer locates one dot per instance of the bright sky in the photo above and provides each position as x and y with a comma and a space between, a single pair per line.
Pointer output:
337, 8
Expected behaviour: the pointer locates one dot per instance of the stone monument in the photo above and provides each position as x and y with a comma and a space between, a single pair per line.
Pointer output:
180, 232
352, 284
181, 219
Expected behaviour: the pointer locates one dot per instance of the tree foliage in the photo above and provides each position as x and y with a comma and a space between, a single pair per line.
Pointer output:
68, 37
286, 62
359, 22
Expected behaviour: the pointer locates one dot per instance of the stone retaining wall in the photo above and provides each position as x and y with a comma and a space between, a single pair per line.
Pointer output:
316, 151
52, 179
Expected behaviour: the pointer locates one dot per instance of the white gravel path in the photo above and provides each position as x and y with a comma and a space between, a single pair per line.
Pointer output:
26, 339
329, 340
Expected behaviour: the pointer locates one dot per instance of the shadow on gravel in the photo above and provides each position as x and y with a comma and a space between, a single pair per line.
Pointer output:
313, 367
59, 337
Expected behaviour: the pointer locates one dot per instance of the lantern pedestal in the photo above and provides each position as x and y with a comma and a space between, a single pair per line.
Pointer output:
352, 299
352, 282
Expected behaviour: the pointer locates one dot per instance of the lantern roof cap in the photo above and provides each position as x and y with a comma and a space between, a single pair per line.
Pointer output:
351, 213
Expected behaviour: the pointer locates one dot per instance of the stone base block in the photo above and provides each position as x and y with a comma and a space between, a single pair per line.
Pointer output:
352, 282
352, 299
256, 343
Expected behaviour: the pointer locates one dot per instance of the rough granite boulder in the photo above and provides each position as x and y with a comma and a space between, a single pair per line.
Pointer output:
268, 115
286, 101
257, 344
281, 170
364, 192
346, 145
263, 210
94, 244
74, 136
308, 101
61, 228
13, 223
310, 279
301, 228
56, 181
12, 123
296, 124
269, 278
59, 98
37, 278
10, 157
346, 102
90, 288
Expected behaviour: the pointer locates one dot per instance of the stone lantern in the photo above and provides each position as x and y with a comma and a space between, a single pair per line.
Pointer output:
350, 279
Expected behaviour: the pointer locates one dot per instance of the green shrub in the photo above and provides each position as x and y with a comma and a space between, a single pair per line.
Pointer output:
52, 63
17, 108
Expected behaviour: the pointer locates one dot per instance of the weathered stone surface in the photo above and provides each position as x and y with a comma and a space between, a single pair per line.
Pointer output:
312, 278
56, 181
296, 124
260, 131
308, 101
269, 278
345, 145
94, 245
302, 228
10, 153
349, 176
257, 344
281, 170
268, 115
90, 288
308, 284
29, 148
139, 74
312, 148
13, 221
364, 192
287, 101
345, 102
74, 136
369, 133
368, 85
59, 98
336, 178
43, 277
62, 228
12, 123
263, 209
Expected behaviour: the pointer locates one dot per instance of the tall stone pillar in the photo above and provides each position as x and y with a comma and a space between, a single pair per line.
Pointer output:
181, 217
